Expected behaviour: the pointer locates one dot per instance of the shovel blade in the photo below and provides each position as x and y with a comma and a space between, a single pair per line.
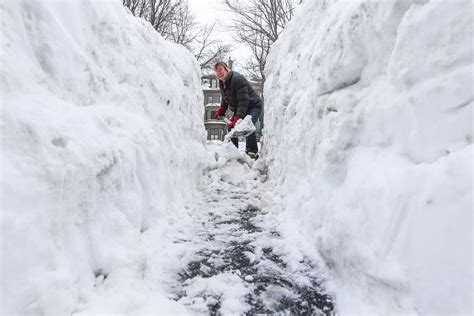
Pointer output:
242, 134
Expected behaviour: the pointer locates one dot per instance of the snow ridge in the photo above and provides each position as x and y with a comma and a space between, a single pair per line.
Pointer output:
369, 143
102, 140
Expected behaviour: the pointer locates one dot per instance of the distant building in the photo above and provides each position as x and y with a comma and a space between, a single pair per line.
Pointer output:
217, 129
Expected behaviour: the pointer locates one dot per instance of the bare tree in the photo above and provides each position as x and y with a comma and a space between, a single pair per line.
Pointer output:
259, 24
174, 20
207, 49
133, 6
162, 14
184, 29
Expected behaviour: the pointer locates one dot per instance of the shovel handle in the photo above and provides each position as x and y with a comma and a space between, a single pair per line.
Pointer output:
227, 120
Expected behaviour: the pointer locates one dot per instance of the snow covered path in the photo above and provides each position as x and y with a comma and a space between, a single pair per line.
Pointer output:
234, 261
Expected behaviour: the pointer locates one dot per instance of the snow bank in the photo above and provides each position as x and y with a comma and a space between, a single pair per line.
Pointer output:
369, 141
102, 140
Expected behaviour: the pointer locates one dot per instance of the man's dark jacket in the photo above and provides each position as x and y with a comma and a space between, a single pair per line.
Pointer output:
238, 94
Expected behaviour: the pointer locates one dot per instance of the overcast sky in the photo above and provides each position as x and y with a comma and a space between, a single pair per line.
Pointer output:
206, 9
210, 10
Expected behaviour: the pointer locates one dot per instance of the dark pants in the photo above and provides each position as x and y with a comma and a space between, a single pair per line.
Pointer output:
251, 141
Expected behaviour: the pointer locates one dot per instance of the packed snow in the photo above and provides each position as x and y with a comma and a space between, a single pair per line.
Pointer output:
369, 143
102, 141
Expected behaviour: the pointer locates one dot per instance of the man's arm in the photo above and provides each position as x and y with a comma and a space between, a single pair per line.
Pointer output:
224, 104
242, 94
223, 108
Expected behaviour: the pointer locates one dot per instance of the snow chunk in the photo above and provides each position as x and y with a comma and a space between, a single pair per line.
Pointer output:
243, 127
229, 287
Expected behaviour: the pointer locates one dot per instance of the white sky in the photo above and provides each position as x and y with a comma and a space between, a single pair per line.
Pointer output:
206, 9
210, 10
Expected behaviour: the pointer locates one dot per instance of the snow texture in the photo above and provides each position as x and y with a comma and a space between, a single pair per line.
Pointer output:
102, 141
243, 127
368, 140
232, 259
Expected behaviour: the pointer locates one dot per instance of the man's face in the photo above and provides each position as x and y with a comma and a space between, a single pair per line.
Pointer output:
221, 73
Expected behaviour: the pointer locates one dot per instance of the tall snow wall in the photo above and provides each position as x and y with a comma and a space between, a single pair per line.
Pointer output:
102, 139
369, 141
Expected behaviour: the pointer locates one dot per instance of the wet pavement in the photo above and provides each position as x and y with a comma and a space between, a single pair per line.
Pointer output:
237, 245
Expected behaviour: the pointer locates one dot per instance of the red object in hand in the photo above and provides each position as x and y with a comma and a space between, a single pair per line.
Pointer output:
220, 112
232, 124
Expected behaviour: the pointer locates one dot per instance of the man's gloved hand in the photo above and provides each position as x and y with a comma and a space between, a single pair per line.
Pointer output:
220, 112
232, 124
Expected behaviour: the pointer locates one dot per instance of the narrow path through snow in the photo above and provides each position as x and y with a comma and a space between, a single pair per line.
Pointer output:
234, 263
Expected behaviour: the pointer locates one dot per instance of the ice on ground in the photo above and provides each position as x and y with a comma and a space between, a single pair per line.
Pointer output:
368, 137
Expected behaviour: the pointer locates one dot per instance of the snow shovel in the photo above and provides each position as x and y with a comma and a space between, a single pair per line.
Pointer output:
242, 128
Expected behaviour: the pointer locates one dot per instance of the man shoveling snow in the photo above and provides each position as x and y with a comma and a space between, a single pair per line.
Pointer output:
239, 96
